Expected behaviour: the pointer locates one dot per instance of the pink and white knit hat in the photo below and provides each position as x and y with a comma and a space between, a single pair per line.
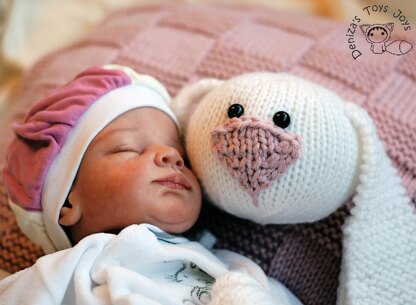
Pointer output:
44, 157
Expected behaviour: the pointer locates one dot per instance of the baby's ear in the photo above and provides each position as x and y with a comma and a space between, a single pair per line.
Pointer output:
71, 211
188, 99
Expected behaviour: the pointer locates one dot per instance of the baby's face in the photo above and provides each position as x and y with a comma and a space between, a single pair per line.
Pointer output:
133, 172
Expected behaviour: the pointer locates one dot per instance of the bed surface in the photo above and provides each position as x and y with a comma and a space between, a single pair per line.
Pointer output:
179, 45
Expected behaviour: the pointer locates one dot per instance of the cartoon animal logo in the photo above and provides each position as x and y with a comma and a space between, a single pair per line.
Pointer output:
199, 282
378, 35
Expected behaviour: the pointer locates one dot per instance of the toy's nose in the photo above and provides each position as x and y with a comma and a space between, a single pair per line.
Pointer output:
255, 152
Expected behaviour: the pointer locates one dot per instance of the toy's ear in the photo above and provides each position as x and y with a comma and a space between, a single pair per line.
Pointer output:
185, 103
390, 26
364, 28
382, 223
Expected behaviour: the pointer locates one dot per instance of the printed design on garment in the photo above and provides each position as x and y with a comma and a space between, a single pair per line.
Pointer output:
189, 274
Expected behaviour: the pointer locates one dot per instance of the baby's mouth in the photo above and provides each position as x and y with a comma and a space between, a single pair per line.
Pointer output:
174, 181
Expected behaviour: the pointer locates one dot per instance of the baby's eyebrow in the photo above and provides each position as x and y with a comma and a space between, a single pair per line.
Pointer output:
107, 133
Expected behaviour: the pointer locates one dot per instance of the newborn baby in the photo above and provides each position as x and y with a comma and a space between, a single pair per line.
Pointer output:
133, 172
101, 156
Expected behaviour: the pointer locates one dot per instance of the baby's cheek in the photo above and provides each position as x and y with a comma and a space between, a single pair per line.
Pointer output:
132, 191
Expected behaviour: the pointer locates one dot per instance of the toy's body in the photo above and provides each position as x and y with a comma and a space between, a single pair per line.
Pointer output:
327, 152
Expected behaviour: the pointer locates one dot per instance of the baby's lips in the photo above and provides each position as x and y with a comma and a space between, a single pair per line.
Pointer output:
175, 179
255, 152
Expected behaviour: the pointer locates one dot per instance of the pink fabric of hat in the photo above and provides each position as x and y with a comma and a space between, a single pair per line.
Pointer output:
45, 155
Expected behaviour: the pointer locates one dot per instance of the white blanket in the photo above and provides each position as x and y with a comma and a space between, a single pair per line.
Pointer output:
141, 265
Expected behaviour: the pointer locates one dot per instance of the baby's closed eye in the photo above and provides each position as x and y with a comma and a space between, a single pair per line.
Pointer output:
123, 148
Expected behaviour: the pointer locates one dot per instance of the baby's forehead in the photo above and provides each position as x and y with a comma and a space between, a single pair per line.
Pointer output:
145, 121
145, 118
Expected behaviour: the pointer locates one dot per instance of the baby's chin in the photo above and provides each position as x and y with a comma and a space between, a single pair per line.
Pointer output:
178, 228
115, 231
175, 227
169, 228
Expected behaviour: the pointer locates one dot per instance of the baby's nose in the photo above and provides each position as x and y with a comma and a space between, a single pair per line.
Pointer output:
255, 152
169, 156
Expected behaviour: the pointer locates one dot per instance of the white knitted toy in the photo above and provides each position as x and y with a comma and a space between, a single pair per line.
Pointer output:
275, 148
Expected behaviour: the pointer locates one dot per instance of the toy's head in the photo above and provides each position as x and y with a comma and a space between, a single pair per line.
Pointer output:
272, 148
256, 163
376, 33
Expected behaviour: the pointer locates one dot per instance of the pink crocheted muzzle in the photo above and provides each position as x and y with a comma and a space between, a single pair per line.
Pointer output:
255, 152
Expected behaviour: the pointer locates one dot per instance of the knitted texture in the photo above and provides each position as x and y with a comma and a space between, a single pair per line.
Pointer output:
41, 136
310, 188
382, 224
255, 152
179, 45
239, 289
379, 242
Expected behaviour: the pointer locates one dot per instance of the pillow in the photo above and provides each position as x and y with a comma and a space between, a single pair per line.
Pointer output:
181, 44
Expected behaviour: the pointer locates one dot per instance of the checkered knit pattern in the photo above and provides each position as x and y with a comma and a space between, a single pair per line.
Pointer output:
258, 152
179, 45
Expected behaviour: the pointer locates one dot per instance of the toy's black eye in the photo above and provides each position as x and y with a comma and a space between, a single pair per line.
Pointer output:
281, 119
235, 111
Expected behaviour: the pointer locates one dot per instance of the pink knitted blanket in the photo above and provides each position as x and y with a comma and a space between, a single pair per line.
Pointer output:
179, 45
